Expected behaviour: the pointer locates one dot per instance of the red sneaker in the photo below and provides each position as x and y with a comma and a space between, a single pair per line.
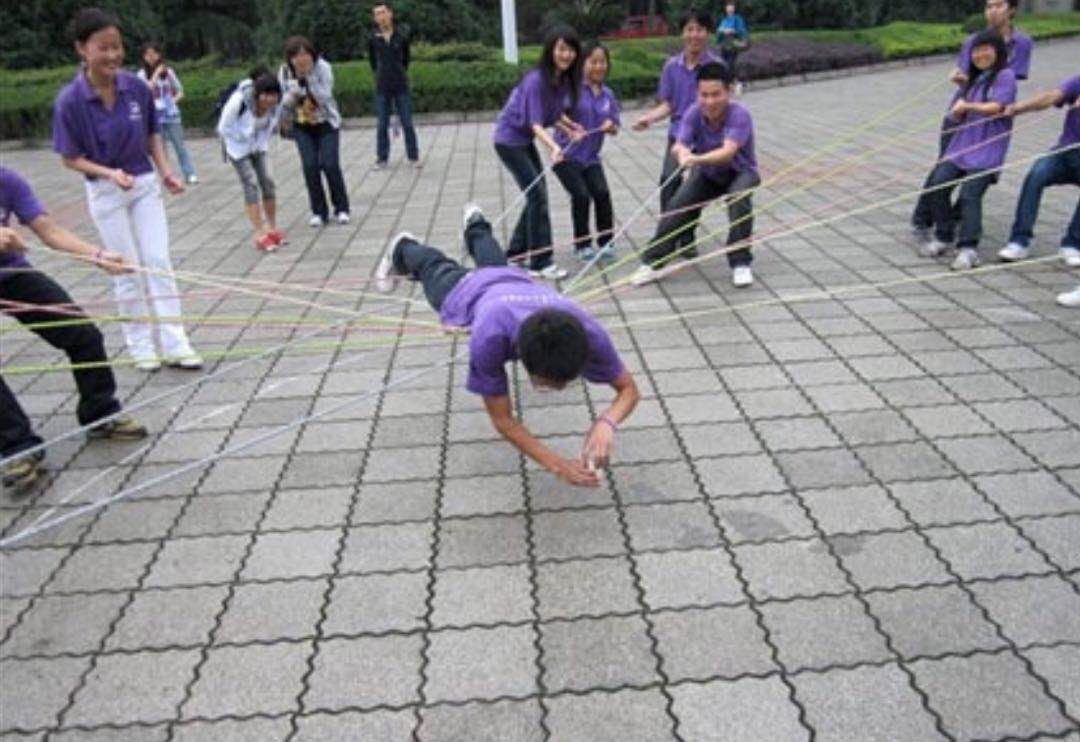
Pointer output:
279, 236
266, 243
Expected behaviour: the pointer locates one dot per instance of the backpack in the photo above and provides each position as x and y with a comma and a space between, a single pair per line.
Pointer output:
223, 99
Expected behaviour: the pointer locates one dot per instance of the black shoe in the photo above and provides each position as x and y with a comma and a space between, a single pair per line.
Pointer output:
118, 429
19, 476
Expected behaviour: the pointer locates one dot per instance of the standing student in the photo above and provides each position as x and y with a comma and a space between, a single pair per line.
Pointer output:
733, 37
388, 54
1060, 167
716, 140
313, 121
20, 286
165, 85
247, 123
105, 126
581, 172
1001, 17
543, 98
974, 153
511, 317
677, 92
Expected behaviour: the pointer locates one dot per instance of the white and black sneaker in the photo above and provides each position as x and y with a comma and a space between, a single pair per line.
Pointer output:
386, 274
471, 214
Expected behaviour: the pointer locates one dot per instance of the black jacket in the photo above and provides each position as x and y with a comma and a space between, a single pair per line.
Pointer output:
389, 61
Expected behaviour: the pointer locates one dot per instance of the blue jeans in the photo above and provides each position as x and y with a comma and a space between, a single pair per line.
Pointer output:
318, 147
439, 274
1060, 168
403, 104
173, 132
532, 234
968, 204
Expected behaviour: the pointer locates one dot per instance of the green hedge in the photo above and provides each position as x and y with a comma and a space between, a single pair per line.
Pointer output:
470, 77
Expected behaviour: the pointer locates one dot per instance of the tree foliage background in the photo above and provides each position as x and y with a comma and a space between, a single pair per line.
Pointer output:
36, 30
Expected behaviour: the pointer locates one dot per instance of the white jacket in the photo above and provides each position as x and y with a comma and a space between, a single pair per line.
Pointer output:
241, 131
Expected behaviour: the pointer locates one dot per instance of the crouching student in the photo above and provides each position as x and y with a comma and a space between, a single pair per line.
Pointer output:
974, 154
511, 317
581, 172
716, 140
247, 123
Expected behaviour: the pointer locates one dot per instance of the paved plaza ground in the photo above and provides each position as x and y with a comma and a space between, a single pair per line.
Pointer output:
850, 517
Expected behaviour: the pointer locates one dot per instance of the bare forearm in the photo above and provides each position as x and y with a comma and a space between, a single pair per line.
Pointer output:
58, 238
543, 135
1039, 102
520, 437
718, 156
87, 167
157, 154
626, 400
658, 113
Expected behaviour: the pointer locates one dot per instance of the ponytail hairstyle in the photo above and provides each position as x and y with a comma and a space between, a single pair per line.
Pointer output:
151, 46
989, 37
552, 346
550, 73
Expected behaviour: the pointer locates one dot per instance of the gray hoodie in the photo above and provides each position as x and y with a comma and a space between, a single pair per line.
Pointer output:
319, 84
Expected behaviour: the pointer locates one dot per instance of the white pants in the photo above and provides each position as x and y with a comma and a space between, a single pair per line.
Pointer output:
133, 224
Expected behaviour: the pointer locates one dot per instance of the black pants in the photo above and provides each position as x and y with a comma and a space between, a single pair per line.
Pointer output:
922, 217
667, 169
585, 184
81, 342
532, 234
318, 146
695, 189
967, 210
439, 274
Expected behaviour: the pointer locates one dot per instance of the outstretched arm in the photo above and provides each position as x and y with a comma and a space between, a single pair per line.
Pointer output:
1038, 102
659, 112
601, 437
57, 237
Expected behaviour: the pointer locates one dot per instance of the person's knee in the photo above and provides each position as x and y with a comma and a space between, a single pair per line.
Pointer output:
251, 193
269, 189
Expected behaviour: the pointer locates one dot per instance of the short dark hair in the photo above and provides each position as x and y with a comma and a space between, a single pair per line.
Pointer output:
590, 47
89, 21
715, 71
698, 16
267, 82
552, 345
296, 44
386, 5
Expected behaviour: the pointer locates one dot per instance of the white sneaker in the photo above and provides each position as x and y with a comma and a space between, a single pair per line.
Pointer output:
147, 363
470, 213
965, 260
385, 273
1013, 252
379, 165
1070, 299
933, 248
192, 179
1071, 256
343, 217
742, 276
315, 221
644, 275
551, 273
189, 362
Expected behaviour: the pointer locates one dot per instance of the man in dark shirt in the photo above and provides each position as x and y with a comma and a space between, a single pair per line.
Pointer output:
388, 53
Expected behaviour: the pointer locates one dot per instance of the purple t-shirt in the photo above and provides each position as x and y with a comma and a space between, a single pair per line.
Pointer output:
593, 110
1019, 47
1071, 135
967, 148
531, 102
493, 303
678, 86
120, 138
16, 197
701, 136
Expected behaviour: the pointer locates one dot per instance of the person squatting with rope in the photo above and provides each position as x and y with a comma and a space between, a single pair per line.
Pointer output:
509, 316
22, 287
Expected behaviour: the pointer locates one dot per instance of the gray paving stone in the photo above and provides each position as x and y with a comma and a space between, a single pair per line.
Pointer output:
482, 722
294, 554
391, 726
889, 560
364, 672
389, 547
941, 501
853, 509
987, 697
35, 691
103, 567
242, 475
477, 459
308, 508
163, 618
596, 653
832, 398
695, 577
823, 631
874, 704
482, 595
904, 461
272, 611
872, 426
740, 475
122, 689
1019, 415
376, 603
720, 439
482, 496
906, 393
399, 463
834, 467
585, 587
215, 514
1028, 493
624, 716
1051, 448
758, 405
742, 711
548, 492
194, 561
131, 521
586, 533
817, 373
929, 621
698, 408
481, 663
797, 433
231, 682
64, 625
810, 569
156, 733
1059, 538
986, 550
660, 482
761, 518
380, 503
985, 455
24, 572
248, 730
671, 526
1060, 667
706, 643
1036, 610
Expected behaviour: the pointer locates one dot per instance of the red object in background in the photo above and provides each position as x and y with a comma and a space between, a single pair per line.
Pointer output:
639, 27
